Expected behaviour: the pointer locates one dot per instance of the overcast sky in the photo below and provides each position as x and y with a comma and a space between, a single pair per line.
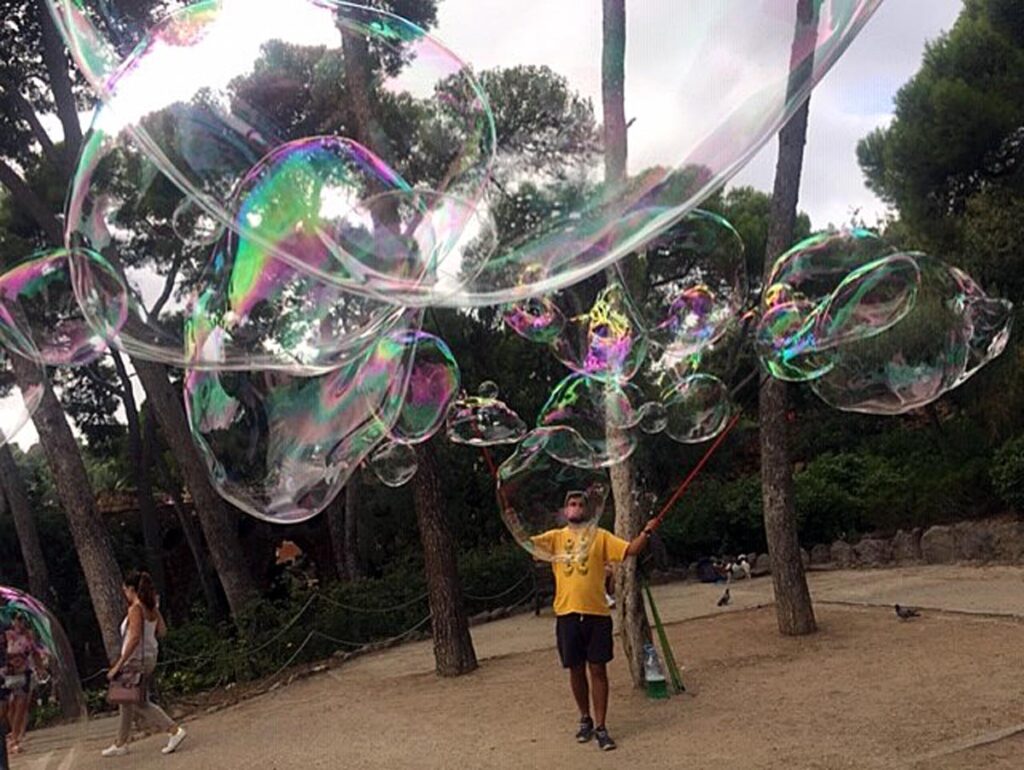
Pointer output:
854, 98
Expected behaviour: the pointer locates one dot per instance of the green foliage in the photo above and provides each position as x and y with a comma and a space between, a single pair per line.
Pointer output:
310, 626
1008, 472
749, 211
716, 516
951, 160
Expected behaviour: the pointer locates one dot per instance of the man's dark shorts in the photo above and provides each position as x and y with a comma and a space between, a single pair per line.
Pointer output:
583, 639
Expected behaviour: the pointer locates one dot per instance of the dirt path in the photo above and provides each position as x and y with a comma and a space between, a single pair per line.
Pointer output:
868, 691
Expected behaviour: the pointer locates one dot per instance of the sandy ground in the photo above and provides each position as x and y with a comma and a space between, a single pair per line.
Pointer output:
868, 691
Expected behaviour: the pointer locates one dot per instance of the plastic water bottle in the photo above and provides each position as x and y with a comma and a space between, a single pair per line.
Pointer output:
654, 675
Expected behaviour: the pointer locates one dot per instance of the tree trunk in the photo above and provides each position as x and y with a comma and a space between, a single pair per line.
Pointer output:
25, 525
635, 630
55, 59
453, 646
102, 575
353, 564
140, 455
217, 522
193, 538
793, 608
358, 86
335, 513
25, 197
613, 89
342, 524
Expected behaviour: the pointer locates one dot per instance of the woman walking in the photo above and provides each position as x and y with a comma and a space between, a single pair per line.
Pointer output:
140, 629
25, 658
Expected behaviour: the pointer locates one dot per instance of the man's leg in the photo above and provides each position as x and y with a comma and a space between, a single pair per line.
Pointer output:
580, 688
599, 685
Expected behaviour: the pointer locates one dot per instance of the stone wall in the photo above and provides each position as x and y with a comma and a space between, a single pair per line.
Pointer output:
996, 540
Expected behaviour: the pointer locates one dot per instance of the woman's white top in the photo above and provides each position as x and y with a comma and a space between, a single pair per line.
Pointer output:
148, 648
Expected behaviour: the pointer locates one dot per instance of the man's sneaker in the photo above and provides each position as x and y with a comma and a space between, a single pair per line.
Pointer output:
586, 731
174, 741
604, 740
114, 751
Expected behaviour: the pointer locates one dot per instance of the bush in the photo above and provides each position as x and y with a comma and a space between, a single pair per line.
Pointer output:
1007, 472
829, 504
715, 517
312, 625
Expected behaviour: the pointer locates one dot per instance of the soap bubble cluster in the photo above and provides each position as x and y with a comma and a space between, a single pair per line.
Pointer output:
273, 193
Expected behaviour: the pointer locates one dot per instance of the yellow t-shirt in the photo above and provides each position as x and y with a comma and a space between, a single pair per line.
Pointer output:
579, 584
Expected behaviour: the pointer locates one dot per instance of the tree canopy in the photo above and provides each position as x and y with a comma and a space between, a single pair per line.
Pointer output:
951, 160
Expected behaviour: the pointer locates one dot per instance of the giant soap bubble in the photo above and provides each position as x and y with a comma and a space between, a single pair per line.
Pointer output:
535, 491
40, 316
872, 329
914, 360
483, 421
281, 446
47, 675
705, 91
201, 140
689, 285
588, 422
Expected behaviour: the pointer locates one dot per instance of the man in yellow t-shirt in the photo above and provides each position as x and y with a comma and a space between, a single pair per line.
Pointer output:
583, 623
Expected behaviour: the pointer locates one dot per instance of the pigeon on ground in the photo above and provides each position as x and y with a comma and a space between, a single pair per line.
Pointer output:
906, 613
725, 598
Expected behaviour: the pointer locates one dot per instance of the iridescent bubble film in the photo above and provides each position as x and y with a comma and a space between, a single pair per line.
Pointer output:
197, 87
217, 88
40, 665
482, 421
393, 464
281, 446
874, 330
913, 362
537, 320
607, 341
534, 490
989, 320
689, 285
800, 281
653, 417
433, 384
40, 315
696, 409
586, 421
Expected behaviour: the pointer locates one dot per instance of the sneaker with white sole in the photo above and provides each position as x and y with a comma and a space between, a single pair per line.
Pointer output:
586, 731
114, 751
174, 741
604, 740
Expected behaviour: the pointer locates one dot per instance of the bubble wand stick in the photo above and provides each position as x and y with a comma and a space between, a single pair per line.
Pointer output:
656, 521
